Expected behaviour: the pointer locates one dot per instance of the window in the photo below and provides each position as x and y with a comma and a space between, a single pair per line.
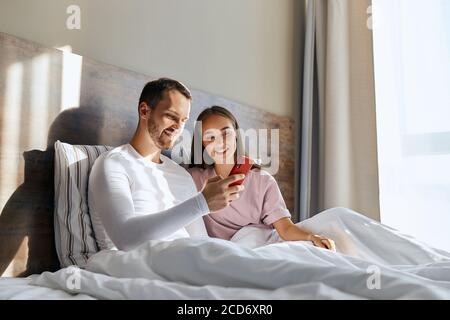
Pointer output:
412, 82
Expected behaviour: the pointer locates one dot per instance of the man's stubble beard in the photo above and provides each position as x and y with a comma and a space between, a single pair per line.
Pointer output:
157, 137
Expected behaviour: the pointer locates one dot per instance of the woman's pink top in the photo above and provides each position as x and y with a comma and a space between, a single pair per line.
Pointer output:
261, 203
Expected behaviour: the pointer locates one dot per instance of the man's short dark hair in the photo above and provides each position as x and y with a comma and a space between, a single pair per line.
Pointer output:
153, 91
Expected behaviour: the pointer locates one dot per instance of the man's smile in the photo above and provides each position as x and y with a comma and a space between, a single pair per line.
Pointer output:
170, 132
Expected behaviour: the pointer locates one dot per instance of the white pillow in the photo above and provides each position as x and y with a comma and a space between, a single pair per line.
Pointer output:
74, 236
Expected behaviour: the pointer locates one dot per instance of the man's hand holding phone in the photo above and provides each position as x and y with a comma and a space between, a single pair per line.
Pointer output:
218, 193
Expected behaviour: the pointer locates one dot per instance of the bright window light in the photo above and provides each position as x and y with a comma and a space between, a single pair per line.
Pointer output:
412, 82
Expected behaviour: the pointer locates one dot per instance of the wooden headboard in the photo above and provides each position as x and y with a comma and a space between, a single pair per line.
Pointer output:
47, 95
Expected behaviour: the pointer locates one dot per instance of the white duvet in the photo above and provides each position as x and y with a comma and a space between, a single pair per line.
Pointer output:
373, 262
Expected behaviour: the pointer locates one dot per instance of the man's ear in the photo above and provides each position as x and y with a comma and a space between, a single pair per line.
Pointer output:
144, 110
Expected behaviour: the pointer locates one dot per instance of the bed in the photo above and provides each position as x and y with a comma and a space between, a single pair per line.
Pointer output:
373, 261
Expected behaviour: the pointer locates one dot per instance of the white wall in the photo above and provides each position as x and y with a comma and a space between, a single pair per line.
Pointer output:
245, 50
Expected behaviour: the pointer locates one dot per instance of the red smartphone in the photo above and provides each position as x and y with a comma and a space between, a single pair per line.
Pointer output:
243, 166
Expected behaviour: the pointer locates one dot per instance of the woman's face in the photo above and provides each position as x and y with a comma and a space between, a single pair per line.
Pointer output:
219, 138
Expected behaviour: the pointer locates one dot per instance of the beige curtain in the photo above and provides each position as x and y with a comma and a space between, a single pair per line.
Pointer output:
338, 125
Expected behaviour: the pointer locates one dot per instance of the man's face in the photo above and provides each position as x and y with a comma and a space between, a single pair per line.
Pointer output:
166, 121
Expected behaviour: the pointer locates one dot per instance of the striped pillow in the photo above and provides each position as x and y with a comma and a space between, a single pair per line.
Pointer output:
74, 236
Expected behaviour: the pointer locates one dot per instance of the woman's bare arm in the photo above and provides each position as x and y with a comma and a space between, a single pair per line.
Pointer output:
288, 231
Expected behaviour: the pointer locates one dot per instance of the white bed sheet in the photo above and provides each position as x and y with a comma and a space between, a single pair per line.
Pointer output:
258, 266
21, 289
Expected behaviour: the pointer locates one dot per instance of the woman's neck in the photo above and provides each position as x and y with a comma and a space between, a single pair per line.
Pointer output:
223, 169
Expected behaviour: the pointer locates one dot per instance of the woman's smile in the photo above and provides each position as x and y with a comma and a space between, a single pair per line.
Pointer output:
221, 151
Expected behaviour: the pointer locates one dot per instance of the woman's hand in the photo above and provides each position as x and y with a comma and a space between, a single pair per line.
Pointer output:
322, 242
288, 231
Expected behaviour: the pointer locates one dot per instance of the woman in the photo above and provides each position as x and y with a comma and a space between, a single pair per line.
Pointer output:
260, 203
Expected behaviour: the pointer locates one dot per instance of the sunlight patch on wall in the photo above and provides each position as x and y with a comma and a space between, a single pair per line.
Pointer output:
19, 265
40, 77
11, 130
71, 78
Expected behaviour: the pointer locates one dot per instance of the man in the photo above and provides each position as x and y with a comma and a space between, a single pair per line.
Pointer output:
137, 194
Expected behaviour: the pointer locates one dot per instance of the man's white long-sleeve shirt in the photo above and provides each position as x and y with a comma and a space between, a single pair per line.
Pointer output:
132, 200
